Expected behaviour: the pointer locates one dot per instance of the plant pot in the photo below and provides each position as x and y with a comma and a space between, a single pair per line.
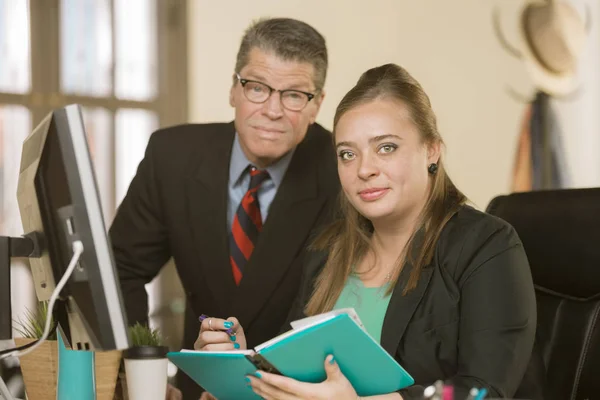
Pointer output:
107, 364
146, 372
40, 369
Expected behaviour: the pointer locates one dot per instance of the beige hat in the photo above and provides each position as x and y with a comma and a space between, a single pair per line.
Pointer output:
552, 37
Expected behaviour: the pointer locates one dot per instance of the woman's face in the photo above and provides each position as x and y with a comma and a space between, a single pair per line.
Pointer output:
382, 162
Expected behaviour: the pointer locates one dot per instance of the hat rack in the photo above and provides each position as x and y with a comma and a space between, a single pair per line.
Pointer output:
516, 53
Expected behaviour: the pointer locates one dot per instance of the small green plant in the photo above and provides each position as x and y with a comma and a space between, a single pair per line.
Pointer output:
142, 335
32, 326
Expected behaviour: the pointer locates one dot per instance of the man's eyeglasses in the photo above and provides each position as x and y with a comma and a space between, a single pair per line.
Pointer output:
258, 92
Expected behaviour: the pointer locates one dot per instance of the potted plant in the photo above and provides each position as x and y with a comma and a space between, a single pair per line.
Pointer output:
40, 367
146, 364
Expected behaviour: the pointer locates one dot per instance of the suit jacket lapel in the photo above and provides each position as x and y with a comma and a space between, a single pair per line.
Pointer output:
401, 308
207, 207
291, 217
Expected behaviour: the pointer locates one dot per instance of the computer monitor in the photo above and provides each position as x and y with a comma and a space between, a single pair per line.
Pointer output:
58, 199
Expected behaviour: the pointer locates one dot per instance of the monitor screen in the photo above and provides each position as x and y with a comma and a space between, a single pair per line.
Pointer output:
58, 197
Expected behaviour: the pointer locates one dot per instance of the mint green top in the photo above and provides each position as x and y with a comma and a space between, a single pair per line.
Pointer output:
370, 303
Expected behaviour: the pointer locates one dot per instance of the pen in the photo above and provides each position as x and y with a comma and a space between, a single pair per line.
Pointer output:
435, 391
472, 394
439, 390
229, 331
429, 392
481, 394
448, 392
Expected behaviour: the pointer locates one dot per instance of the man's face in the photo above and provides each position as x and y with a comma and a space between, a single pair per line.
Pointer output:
268, 130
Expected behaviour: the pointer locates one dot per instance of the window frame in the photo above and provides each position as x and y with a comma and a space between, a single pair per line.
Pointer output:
170, 104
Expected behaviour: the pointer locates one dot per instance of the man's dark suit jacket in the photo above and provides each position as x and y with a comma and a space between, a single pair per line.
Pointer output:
470, 321
176, 206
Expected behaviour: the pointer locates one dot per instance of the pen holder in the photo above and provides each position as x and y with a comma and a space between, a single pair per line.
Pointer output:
146, 372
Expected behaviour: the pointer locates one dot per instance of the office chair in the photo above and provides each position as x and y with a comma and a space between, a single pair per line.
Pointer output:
560, 231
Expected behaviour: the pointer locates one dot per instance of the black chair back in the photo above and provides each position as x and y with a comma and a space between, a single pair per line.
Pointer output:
560, 231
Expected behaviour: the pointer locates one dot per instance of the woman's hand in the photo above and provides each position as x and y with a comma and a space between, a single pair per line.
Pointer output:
207, 396
218, 334
277, 387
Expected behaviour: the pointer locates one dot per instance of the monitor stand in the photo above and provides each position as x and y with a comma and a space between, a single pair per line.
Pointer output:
4, 393
29, 245
5, 344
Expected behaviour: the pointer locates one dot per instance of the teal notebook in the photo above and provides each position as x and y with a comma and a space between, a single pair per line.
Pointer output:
300, 354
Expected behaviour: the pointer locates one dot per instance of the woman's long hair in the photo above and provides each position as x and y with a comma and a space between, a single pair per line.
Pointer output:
348, 239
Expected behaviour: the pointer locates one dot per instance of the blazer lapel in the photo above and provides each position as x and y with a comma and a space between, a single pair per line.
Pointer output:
207, 207
291, 217
401, 308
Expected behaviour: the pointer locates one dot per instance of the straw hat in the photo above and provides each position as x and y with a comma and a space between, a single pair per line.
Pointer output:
553, 35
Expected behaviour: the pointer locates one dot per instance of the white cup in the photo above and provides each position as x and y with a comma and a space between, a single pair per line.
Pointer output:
146, 372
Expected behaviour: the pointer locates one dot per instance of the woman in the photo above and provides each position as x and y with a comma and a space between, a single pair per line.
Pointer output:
445, 288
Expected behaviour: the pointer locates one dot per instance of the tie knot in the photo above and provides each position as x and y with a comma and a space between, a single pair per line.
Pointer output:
257, 177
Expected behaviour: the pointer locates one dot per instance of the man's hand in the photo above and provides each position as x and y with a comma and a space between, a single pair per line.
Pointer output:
207, 396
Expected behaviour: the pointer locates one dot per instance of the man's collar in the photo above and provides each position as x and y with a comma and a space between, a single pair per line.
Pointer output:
239, 162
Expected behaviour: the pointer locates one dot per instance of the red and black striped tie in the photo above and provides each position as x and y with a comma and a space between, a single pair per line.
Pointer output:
247, 224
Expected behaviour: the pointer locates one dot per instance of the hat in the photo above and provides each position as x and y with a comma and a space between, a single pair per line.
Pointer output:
552, 38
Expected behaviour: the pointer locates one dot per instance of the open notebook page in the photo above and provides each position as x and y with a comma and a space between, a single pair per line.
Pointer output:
308, 322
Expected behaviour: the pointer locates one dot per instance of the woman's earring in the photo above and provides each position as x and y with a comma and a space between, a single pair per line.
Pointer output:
432, 169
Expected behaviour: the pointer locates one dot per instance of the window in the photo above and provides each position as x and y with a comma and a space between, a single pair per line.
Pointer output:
123, 61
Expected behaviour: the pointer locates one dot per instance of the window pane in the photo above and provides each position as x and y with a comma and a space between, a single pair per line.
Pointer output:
133, 129
136, 41
15, 125
15, 71
98, 126
85, 47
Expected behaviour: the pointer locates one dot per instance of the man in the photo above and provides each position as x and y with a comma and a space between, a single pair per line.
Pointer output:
236, 204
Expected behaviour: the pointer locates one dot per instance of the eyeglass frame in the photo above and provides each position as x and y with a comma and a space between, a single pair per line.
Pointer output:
243, 82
